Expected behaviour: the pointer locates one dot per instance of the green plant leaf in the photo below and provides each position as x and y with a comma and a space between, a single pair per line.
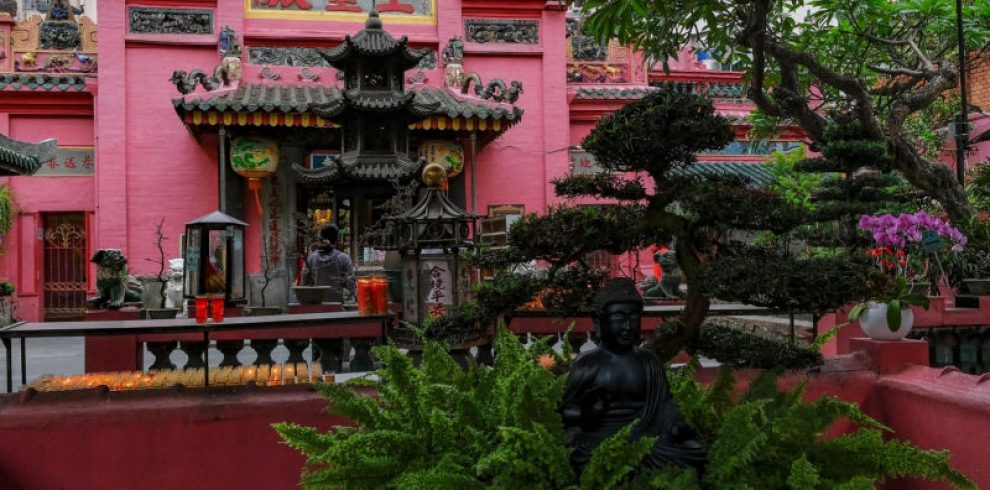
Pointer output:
894, 315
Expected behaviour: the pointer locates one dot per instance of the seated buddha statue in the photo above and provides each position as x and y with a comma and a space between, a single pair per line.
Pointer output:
620, 382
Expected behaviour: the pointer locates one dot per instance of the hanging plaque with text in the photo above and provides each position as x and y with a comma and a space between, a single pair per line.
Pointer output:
70, 161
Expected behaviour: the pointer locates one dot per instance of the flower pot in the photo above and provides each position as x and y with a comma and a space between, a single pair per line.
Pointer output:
151, 295
161, 313
979, 287
311, 295
874, 323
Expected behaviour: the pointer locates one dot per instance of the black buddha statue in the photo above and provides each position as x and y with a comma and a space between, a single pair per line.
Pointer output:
619, 382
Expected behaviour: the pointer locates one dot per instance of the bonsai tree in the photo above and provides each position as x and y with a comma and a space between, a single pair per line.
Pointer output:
661, 195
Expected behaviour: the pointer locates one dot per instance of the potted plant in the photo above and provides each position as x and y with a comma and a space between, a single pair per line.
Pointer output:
156, 287
904, 244
890, 316
976, 271
269, 272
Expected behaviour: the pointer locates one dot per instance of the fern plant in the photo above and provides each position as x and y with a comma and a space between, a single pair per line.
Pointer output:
771, 438
437, 426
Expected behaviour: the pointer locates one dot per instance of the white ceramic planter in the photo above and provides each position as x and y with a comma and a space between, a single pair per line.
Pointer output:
874, 323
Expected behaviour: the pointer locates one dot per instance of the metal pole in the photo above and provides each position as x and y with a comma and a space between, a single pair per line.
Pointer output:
222, 170
23, 362
474, 171
10, 365
962, 121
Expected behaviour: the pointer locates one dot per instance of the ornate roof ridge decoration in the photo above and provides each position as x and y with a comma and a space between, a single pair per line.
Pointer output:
372, 41
620, 92
20, 158
42, 81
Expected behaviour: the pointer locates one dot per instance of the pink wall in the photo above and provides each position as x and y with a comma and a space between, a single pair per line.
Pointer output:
170, 173
36, 195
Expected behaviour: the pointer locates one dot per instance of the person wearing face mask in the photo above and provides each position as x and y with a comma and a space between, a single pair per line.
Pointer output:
328, 266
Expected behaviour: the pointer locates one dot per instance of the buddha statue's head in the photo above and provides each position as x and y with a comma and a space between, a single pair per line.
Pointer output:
618, 310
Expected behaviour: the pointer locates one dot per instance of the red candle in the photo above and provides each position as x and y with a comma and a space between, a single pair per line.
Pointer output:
379, 291
202, 307
364, 300
216, 308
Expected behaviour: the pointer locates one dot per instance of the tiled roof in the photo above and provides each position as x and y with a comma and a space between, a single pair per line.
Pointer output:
329, 101
43, 82
757, 173
259, 97
613, 93
372, 41
451, 105
18, 158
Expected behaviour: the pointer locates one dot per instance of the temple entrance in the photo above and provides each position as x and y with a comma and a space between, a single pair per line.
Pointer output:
64, 264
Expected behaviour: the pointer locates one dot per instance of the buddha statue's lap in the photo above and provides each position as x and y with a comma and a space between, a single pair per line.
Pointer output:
619, 383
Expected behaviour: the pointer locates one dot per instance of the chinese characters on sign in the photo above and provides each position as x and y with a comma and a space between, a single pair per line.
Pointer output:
583, 162
70, 161
406, 7
438, 293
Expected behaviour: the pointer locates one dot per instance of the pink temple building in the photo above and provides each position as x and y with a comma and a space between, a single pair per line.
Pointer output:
143, 136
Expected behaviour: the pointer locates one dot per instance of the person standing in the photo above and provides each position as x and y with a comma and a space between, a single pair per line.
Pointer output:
328, 266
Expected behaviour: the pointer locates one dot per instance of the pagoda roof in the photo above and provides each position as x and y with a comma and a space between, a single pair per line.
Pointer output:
318, 103
19, 158
372, 41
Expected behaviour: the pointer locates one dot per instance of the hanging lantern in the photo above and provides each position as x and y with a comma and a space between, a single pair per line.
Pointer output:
254, 159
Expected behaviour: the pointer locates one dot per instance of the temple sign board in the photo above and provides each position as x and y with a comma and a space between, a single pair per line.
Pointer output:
69, 161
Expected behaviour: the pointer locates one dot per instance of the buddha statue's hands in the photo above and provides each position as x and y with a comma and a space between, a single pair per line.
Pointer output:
594, 405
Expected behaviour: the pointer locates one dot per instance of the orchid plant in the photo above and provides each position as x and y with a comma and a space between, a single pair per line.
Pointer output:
903, 239
897, 238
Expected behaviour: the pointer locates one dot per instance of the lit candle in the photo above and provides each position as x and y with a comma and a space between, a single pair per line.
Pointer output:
275, 378
302, 372
289, 374
316, 372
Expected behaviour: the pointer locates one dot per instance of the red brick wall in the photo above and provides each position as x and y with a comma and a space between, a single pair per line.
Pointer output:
979, 83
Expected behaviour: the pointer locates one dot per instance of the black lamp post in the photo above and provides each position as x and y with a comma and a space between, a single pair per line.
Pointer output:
962, 120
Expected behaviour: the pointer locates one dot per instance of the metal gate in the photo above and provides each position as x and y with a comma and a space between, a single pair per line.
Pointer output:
65, 265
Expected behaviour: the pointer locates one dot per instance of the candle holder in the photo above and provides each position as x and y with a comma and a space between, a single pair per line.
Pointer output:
379, 294
365, 299
202, 308
216, 308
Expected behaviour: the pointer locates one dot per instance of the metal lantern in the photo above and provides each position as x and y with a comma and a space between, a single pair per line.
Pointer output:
214, 257
254, 159
430, 237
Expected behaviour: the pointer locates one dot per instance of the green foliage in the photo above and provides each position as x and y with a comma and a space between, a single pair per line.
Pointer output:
770, 438
439, 426
7, 288
661, 131
744, 350
794, 186
6, 209
979, 187
766, 277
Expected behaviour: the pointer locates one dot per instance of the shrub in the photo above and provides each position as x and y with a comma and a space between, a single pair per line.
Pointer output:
438, 426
